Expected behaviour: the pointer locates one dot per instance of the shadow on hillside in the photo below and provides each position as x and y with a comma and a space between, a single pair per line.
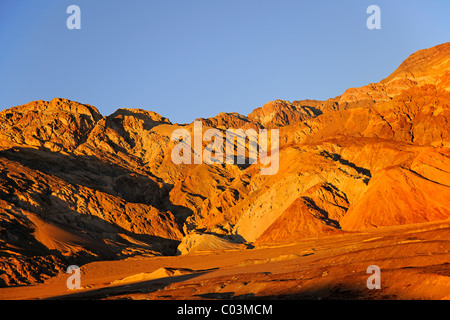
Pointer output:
70, 231
101, 238
91, 172
336, 157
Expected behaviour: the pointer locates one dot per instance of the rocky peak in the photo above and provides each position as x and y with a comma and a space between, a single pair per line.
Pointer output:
57, 125
424, 66
281, 113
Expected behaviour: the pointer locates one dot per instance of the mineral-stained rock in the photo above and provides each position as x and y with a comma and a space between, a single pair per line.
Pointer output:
76, 186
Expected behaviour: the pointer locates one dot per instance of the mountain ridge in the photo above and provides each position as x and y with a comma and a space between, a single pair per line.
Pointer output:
77, 186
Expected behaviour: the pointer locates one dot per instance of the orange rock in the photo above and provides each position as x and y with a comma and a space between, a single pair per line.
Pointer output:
78, 187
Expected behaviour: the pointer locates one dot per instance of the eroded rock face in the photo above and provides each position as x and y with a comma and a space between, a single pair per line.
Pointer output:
280, 113
76, 186
59, 125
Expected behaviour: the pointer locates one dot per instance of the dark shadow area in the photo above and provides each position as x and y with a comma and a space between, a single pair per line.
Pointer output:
317, 112
223, 296
115, 122
328, 221
142, 287
91, 172
89, 239
148, 123
333, 292
97, 238
337, 291
93, 237
338, 158
107, 240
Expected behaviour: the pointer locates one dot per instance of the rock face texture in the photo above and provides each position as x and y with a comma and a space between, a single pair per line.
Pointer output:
76, 186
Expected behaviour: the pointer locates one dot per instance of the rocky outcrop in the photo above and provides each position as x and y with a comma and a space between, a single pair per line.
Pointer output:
280, 113
59, 125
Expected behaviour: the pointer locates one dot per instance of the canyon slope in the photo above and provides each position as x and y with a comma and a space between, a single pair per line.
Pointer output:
78, 187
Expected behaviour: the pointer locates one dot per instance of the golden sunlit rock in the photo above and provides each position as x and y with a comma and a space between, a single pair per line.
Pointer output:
364, 178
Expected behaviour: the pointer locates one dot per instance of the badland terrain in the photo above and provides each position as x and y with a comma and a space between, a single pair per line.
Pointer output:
363, 179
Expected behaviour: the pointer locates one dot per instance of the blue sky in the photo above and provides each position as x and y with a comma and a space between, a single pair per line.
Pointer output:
187, 59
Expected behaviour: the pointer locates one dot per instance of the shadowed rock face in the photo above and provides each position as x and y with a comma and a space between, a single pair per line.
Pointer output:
76, 186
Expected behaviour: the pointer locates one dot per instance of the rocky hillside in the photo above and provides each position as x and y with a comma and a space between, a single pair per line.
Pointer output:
76, 186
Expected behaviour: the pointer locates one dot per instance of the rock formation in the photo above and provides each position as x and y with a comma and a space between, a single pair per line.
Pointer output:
76, 186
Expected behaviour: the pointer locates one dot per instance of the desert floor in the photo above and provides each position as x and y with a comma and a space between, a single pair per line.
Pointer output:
414, 262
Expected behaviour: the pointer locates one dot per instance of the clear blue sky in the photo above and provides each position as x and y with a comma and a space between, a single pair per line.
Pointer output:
187, 59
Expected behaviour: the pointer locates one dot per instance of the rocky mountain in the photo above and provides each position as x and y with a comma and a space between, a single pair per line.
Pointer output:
76, 186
